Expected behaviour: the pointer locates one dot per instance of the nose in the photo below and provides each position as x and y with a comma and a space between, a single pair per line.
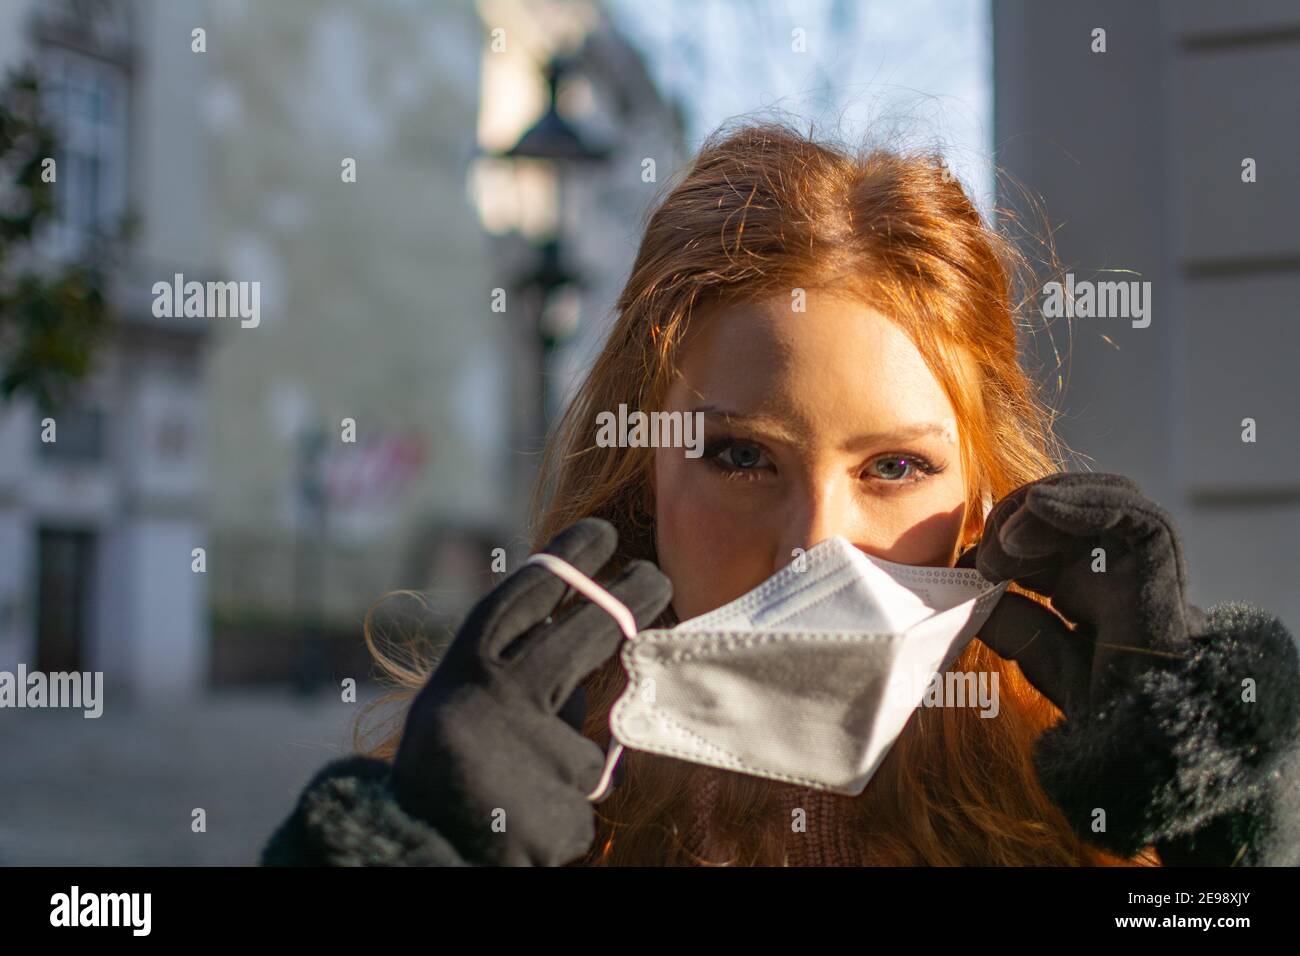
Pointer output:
817, 510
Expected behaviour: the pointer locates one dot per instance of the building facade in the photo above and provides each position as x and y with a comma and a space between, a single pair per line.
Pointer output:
226, 494
99, 527
1165, 145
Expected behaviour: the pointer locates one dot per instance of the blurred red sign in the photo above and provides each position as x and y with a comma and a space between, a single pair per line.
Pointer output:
373, 470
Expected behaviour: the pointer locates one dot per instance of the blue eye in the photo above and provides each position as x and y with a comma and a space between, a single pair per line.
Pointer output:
741, 456
736, 457
892, 468
896, 468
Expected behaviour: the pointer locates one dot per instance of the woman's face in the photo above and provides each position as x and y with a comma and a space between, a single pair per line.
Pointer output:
817, 423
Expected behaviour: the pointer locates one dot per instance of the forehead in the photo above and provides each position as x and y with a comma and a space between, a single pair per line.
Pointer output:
839, 355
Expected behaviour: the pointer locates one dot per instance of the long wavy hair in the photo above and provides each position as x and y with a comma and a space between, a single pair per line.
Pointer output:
761, 210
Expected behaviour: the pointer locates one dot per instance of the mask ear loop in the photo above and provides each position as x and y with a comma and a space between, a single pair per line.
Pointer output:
626, 623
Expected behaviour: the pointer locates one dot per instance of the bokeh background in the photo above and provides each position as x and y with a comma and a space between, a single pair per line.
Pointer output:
517, 145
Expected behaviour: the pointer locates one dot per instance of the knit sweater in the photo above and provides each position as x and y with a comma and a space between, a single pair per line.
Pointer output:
1182, 760
830, 838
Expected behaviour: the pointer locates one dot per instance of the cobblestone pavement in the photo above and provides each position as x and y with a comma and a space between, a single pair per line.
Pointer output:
121, 789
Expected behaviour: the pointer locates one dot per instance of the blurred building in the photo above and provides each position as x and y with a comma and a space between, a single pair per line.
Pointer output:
98, 528
349, 147
377, 427
1141, 154
359, 432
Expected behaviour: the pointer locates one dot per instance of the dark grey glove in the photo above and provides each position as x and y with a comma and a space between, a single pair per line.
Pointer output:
1157, 733
494, 729
485, 758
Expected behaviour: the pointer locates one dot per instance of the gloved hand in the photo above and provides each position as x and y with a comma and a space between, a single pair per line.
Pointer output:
1156, 731
486, 757
1131, 617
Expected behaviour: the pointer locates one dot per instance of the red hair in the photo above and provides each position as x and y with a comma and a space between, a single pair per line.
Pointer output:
764, 209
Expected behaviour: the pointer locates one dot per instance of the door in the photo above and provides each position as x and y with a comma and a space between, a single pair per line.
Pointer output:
64, 567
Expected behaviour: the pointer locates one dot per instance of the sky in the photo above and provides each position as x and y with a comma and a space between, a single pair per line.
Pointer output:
902, 72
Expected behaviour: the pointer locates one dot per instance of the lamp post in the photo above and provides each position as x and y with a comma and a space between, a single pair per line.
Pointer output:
554, 140
547, 280
308, 560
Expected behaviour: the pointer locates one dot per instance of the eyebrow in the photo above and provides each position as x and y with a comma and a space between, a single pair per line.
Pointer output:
774, 428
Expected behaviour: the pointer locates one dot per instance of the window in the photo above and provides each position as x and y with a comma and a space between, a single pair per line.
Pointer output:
86, 104
79, 437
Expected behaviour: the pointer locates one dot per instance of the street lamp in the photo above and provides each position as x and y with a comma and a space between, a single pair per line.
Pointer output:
552, 137
555, 141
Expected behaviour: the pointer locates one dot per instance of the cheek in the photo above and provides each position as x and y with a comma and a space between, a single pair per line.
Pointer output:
703, 549
924, 529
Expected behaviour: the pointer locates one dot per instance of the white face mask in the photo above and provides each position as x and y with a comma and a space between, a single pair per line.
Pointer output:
808, 679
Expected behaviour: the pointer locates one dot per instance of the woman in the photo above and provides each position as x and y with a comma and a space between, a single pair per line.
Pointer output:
845, 324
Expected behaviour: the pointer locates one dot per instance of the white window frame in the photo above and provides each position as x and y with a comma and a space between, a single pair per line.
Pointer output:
86, 132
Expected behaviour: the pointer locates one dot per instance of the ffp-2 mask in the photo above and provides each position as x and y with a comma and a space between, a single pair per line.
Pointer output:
809, 678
